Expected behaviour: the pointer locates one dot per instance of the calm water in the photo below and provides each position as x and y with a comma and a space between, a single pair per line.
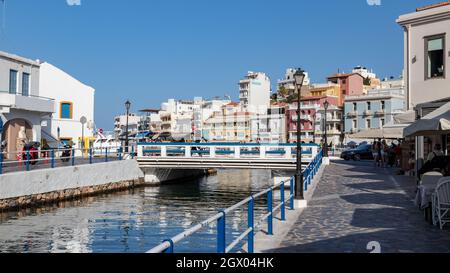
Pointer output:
136, 220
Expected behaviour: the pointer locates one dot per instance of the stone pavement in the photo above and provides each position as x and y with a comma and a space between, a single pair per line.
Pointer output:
356, 203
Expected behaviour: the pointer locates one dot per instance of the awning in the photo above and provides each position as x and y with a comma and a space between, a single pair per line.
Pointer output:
437, 122
394, 132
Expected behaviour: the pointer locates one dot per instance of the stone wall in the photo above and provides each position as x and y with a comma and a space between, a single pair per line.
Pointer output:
24, 189
56, 196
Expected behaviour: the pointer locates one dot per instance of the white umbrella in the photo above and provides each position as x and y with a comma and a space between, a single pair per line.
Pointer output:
437, 122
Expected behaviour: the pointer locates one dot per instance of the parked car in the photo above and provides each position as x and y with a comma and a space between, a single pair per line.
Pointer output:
361, 152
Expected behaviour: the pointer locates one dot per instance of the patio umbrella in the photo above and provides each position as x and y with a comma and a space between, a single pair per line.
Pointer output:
437, 122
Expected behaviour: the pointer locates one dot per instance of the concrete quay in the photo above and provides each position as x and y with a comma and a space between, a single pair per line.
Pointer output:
354, 207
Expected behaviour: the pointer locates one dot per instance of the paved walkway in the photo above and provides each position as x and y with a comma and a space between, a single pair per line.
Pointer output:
356, 203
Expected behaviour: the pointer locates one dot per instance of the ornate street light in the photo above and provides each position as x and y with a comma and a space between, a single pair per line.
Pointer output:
326, 104
127, 107
299, 77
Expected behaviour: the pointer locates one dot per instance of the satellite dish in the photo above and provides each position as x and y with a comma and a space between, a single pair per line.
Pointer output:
83, 120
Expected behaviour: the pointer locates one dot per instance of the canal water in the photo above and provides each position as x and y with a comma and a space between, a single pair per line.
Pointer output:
135, 221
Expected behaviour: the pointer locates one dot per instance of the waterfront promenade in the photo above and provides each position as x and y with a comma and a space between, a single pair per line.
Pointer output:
356, 203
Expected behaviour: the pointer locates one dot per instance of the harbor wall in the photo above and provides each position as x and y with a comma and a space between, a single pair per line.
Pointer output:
23, 189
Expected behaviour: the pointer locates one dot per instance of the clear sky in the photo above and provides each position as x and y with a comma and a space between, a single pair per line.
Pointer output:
151, 50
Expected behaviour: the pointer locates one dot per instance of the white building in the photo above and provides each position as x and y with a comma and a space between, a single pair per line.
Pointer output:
427, 75
426, 40
254, 91
288, 83
21, 103
364, 72
120, 125
269, 127
73, 100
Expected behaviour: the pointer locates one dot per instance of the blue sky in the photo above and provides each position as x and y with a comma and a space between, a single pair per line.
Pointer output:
151, 50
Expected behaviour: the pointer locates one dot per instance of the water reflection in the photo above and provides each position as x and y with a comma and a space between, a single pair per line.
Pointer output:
135, 220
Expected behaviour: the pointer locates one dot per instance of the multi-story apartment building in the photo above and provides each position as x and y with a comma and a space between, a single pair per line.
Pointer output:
334, 125
427, 72
286, 86
22, 108
269, 127
350, 85
231, 124
120, 124
39, 101
310, 118
426, 42
374, 110
255, 91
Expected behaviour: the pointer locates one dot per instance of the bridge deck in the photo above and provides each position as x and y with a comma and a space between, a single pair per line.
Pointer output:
219, 163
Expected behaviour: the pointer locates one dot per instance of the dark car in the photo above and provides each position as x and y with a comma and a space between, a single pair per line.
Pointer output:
361, 152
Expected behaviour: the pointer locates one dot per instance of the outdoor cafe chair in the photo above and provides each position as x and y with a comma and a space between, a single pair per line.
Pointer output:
441, 203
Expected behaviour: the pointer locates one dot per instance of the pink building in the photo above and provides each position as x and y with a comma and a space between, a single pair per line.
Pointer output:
350, 84
309, 108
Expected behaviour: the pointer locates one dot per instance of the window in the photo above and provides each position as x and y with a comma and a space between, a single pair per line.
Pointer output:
369, 106
382, 122
25, 84
435, 65
354, 106
354, 125
66, 110
13, 82
383, 105
368, 124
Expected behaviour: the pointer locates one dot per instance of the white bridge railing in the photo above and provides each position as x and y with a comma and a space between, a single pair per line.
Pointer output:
225, 150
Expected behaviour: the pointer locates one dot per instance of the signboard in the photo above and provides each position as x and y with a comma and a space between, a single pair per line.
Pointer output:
44, 123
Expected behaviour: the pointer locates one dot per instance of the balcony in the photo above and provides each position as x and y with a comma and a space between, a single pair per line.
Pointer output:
367, 113
379, 113
352, 114
27, 103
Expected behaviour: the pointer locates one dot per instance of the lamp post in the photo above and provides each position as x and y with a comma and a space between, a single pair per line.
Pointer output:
127, 107
314, 128
326, 104
299, 77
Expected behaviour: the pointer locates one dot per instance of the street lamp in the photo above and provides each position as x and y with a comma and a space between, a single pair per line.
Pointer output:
326, 104
127, 107
299, 77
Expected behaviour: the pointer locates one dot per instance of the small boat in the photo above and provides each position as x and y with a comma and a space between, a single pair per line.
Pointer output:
103, 143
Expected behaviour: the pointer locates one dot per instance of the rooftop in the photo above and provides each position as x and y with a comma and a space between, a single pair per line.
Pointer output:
433, 6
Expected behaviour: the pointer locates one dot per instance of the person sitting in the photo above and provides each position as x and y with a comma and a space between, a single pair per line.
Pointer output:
436, 152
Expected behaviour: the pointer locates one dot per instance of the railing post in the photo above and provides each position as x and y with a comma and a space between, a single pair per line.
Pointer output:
221, 233
53, 159
106, 154
28, 160
269, 210
73, 157
237, 152
291, 188
283, 206
90, 155
171, 248
212, 152
163, 151
288, 150
262, 151
250, 237
187, 151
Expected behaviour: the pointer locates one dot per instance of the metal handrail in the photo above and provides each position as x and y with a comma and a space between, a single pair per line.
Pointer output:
167, 246
49, 156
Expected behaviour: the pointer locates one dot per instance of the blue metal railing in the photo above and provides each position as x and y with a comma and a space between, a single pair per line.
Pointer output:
168, 245
26, 160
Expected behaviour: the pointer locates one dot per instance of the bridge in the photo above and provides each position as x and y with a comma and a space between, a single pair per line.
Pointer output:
191, 156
